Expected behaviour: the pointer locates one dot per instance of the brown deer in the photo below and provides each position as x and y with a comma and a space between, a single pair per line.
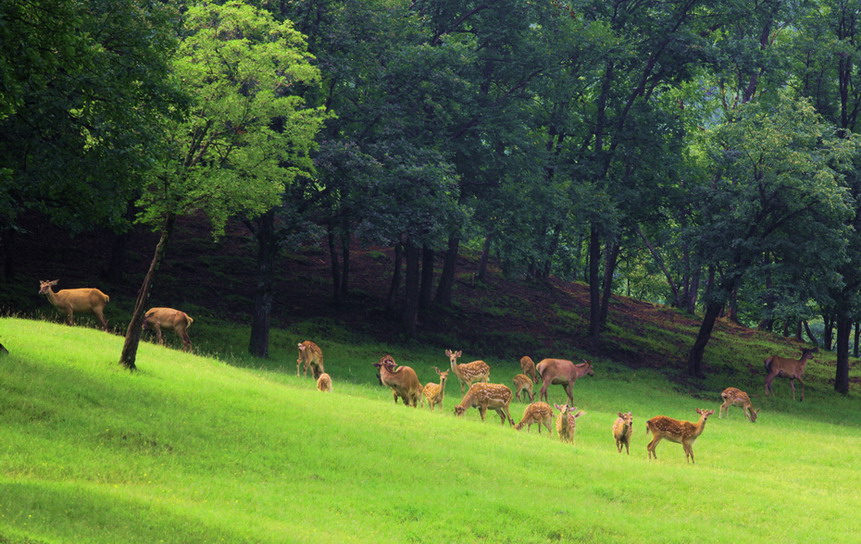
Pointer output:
561, 372
310, 356
623, 428
680, 432
324, 383
527, 365
566, 422
484, 396
731, 396
87, 300
788, 368
468, 373
537, 412
170, 319
523, 383
434, 393
401, 379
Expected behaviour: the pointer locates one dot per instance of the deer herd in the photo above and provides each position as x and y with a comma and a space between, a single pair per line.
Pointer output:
474, 380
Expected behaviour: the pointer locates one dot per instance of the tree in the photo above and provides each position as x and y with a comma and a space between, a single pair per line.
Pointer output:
244, 136
774, 191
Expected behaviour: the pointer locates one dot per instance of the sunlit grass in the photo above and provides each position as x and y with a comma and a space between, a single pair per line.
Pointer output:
191, 449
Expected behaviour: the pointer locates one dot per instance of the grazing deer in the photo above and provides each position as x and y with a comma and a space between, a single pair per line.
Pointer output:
788, 368
537, 412
76, 300
484, 396
623, 428
527, 365
566, 422
310, 356
468, 373
401, 379
434, 393
680, 432
561, 372
324, 383
523, 383
731, 396
170, 319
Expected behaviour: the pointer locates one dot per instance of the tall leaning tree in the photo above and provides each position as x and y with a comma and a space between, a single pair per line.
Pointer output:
230, 151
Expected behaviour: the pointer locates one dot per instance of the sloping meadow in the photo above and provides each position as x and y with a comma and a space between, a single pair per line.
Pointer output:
191, 449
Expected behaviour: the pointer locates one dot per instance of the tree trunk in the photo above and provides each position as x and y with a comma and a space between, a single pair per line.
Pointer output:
554, 246
844, 331
610, 261
485, 256
267, 250
695, 358
426, 288
133, 333
396, 277
411, 299
345, 254
857, 338
594, 286
693, 292
798, 330
446, 280
828, 331
732, 307
810, 335
336, 268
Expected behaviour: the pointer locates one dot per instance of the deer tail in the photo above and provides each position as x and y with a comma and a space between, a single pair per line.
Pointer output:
189, 319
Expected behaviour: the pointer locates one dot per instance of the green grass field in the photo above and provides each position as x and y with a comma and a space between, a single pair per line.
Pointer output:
192, 449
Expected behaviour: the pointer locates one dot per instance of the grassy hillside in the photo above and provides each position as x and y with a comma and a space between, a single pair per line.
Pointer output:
190, 449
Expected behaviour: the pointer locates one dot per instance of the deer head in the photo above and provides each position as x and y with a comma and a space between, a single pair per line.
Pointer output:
45, 286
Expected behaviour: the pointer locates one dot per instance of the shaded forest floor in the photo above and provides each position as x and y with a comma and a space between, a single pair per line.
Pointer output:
503, 318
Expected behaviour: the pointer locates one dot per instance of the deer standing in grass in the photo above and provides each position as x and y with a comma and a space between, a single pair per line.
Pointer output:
788, 368
527, 365
487, 395
561, 372
537, 412
680, 432
623, 428
324, 383
170, 319
731, 396
566, 422
310, 356
87, 300
401, 379
523, 383
434, 393
468, 373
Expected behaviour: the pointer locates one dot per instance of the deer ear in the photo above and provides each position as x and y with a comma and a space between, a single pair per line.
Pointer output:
559, 407
621, 414
54, 282
458, 353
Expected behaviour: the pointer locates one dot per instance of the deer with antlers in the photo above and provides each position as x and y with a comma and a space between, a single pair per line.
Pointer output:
788, 368
434, 393
680, 432
733, 396
87, 300
561, 372
468, 373
487, 395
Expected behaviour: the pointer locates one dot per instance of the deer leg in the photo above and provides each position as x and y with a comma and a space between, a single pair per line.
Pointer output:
651, 447
802, 388
543, 394
626, 448
70, 317
100, 314
483, 411
507, 415
792, 384
570, 395
723, 409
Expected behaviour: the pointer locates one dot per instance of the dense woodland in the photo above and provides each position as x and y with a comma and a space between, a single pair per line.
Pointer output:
698, 154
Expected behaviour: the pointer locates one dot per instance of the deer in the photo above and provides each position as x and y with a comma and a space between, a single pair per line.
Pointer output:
680, 432
561, 372
170, 319
523, 383
566, 421
623, 428
310, 356
324, 383
537, 412
527, 365
434, 393
731, 396
86, 300
484, 396
468, 373
402, 380
788, 368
